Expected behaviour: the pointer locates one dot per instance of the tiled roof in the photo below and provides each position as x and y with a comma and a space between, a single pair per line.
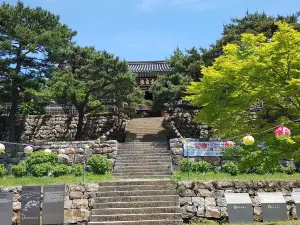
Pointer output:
148, 66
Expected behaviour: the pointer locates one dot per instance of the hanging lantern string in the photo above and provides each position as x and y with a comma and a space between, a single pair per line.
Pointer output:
265, 131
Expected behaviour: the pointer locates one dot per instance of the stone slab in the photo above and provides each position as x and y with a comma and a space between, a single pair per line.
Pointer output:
30, 205
6, 208
53, 205
273, 206
296, 197
239, 207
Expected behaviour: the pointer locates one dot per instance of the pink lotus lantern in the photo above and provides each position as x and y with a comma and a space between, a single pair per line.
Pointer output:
282, 133
28, 149
2, 148
248, 140
229, 144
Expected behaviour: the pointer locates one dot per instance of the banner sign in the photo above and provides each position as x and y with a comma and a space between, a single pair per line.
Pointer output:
195, 148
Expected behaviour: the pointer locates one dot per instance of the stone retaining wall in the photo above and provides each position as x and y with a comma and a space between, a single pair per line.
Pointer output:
183, 121
56, 127
70, 152
201, 201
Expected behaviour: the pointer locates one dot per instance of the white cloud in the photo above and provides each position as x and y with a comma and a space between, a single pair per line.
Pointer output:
192, 5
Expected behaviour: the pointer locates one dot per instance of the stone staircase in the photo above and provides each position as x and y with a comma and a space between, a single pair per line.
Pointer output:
140, 201
145, 152
136, 202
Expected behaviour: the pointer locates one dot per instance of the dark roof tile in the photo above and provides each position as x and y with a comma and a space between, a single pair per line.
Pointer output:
148, 66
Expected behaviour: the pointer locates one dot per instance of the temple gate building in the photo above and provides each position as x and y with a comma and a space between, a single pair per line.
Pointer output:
147, 72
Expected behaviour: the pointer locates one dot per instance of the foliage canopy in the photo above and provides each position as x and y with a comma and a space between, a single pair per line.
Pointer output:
253, 87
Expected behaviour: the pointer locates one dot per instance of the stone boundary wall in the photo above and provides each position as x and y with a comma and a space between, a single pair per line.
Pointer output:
201, 201
176, 148
57, 127
69, 152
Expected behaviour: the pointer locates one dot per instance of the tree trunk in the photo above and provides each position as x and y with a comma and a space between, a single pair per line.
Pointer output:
12, 114
79, 131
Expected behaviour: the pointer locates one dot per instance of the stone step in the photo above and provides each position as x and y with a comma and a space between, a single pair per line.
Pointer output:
145, 139
138, 130
136, 204
136, 187
142, 210
148, 176
149, 143
136, 217
137, 198
142, 174
144, 161
158, 164
144, 151
145, 157
135, 193
146, 143
139, 153
138, 182
141, 166
140, 222
141, 147
142, 170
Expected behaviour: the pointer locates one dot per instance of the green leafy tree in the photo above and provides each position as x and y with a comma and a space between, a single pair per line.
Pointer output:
168, 89
171, 87
83, 77
258, 72
124, 91
255, 23
29, 40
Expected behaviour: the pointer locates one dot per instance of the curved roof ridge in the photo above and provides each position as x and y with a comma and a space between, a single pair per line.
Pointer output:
149, 66
147, 61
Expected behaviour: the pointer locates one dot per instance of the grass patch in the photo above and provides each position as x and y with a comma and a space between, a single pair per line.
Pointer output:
182, 176
68, 179
289, 222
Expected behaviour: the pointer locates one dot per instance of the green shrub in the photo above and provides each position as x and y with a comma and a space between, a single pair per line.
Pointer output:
183, 165
60, 170
3, 170
77, 170
231, 168
40, 170
286, 169
201, 166
19, 170
41, 157
99, 164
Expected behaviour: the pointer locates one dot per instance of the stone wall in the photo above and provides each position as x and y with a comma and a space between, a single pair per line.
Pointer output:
201, 201
183, 121
56, 127
69, 152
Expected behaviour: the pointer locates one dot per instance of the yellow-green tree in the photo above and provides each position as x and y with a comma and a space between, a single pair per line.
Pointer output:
252, 87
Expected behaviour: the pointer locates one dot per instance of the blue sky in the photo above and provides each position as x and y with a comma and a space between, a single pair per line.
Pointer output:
152, 29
